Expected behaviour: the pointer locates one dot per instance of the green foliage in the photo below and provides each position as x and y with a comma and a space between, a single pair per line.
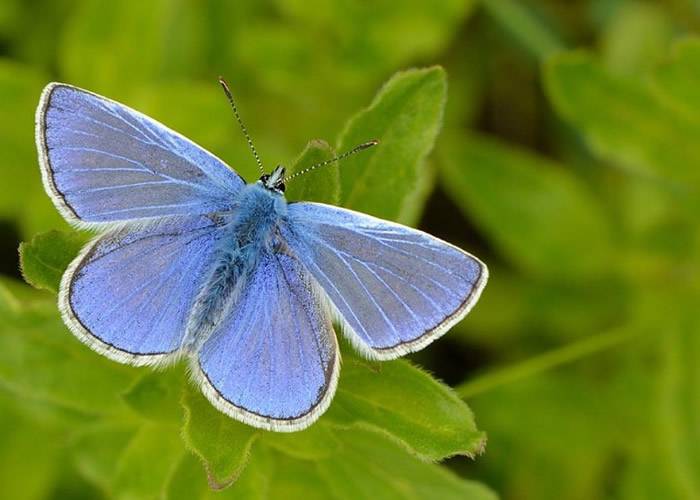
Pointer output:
424, 416
535, 210
223, 444
322, 185
405, 117
44, 259
623, 120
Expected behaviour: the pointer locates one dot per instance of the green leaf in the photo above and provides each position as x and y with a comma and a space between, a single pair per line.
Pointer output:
370, 466
533, 209
623, 120
405, 117
97, 448
524, 26
44, 259
636, 38
320, 185
144, 468
189, 482
42, 360
222, 443
315, 442
677, 81
26, 448
408, 405
299, 479
157, 395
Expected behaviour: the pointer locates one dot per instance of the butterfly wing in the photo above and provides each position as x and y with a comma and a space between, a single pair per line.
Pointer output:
395, 289
104, 162
274, 362
129, 293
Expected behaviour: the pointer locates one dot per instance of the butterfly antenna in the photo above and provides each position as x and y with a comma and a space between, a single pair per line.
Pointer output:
227, 91
354, 150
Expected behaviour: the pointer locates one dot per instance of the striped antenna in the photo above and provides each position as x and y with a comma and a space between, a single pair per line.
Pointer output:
227, 91
354, 150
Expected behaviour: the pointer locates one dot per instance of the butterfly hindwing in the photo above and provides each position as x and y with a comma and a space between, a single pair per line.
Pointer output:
273, 362
103, 162
395, 289
129, 293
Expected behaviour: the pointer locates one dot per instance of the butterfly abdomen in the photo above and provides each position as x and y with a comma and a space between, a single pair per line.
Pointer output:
249, 234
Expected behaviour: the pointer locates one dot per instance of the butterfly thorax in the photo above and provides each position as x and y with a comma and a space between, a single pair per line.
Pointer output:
249, 231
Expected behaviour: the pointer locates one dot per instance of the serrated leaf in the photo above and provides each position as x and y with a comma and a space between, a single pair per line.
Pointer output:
41, 359
622, 120
45, 258
158, 395
222, 443
372, 467
313, 443
408, 405
147, 463
405, 117
321, 185
533, 209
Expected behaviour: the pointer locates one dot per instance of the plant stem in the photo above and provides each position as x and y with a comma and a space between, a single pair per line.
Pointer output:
543, 362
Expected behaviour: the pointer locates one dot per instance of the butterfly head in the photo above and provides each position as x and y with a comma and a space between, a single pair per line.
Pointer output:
274, 181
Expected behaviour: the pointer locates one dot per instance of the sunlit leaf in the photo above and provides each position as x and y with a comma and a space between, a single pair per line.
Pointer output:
320, 185
46, 257
222, 443
385, 471
41, 359
410, 406
405, 117
147, 463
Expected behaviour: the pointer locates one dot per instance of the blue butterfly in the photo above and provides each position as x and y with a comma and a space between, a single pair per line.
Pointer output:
190, 260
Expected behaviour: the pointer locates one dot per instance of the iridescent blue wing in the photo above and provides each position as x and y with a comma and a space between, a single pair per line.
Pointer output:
393, 288
104, 162
129, 293
273, 363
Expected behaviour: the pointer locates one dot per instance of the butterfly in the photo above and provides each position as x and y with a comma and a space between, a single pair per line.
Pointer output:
191, 261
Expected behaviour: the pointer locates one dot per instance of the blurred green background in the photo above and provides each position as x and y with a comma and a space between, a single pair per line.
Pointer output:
568, 160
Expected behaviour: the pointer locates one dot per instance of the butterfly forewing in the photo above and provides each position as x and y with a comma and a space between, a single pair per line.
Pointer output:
104, 162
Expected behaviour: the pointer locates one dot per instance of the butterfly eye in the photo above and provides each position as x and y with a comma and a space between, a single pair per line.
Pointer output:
264, 178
